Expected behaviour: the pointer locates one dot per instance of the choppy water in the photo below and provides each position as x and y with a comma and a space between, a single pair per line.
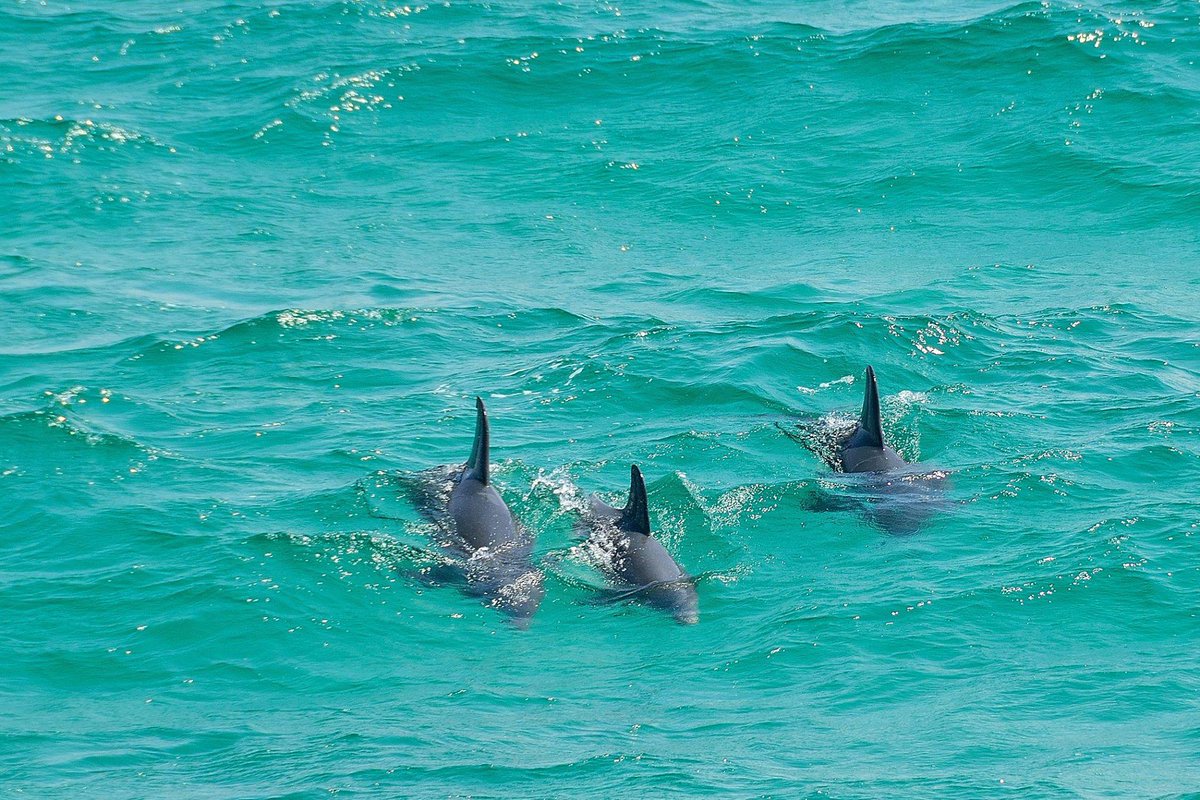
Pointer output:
257, 259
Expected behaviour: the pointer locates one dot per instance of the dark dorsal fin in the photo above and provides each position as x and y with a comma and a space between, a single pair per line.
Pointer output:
869, 432
635, 517
477, 464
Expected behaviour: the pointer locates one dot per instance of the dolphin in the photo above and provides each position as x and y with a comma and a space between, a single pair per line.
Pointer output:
895, 495
495, 548
634, 560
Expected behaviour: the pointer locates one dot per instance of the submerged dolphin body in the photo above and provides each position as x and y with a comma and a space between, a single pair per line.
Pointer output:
896, 496
496, 550
634, 560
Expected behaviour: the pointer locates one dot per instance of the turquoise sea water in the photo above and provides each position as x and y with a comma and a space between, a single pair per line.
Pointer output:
257, 259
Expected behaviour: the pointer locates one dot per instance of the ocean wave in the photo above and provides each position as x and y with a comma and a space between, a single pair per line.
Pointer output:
24, 137
55, 425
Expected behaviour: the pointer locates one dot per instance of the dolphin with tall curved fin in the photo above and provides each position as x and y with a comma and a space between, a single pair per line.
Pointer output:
895, 495
634, 560
494, 550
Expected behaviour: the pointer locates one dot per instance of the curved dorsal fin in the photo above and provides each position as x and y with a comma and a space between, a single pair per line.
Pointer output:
477, 464
869, 432
635, 517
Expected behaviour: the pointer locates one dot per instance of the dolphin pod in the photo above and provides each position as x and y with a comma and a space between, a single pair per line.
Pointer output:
498, 550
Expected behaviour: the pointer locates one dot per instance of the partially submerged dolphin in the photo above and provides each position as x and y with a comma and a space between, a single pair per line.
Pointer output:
495, 548
634, 560
895, 495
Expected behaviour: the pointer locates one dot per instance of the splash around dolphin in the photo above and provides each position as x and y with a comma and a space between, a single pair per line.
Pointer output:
635, 561
487, 544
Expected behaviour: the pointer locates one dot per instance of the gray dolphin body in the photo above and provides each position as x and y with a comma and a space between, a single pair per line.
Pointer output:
897, 496
497, 550
636, 561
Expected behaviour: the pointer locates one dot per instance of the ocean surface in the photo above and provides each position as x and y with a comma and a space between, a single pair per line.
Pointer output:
258, 258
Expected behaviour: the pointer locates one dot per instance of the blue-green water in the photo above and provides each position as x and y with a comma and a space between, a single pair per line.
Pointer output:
256, 259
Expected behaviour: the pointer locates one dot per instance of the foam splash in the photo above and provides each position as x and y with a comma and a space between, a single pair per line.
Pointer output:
845, 380
366, 317
823, 436
571, 499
